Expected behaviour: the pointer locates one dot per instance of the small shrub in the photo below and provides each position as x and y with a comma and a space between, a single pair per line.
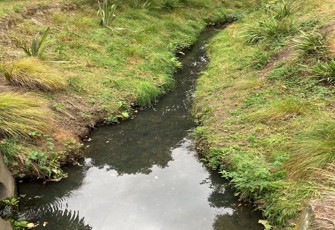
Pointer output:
35, 48
21, 115
325, 71
33, 74
312, 44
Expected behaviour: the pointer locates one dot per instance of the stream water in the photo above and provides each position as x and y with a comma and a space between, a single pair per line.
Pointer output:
143, 174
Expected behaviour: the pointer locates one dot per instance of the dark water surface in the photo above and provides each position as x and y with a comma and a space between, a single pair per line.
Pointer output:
143, 174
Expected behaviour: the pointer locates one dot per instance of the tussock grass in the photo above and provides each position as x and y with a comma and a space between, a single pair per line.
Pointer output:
21, 115
269, 29
312, 44
324, 71
314, 150
33, 74
282, 109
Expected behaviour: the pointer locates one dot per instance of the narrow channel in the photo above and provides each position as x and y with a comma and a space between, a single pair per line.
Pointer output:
143, 174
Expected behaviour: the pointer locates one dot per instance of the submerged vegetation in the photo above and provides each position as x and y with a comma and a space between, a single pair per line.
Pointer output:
265, 105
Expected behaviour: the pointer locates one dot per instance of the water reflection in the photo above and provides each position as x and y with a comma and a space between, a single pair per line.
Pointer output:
167, 198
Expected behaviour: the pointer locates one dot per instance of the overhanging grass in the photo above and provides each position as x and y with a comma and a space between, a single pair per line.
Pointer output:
21, 115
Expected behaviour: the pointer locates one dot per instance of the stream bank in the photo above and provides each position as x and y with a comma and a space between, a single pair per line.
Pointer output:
265, 109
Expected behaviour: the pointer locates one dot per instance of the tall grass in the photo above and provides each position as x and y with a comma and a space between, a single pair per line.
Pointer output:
285, 108
21, 115
314, 150
33, 74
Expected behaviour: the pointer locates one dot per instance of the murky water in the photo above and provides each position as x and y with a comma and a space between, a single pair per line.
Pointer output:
143, 174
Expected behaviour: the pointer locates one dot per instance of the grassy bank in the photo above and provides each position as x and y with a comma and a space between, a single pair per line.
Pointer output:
65, 67
265, 106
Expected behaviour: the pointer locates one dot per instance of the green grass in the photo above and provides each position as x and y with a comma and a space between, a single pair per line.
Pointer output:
261, 102
282, 109
324, 71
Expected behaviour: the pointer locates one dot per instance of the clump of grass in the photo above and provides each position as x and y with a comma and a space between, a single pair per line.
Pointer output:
312, 44
281, 9
276, 25
314, 150
147, 93
271, 29
325, 71
281, 109
21, 115
33, 74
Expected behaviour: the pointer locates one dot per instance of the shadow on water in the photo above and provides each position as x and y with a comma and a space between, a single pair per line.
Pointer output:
143, 174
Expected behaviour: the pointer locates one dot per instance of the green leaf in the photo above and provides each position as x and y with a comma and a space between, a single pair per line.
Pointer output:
125, 114
266, 224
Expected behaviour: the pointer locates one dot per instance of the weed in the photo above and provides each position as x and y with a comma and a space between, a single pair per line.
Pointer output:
324, 71
35, 48
107, 13
33, 74
11, 201
20, 115
250, 175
